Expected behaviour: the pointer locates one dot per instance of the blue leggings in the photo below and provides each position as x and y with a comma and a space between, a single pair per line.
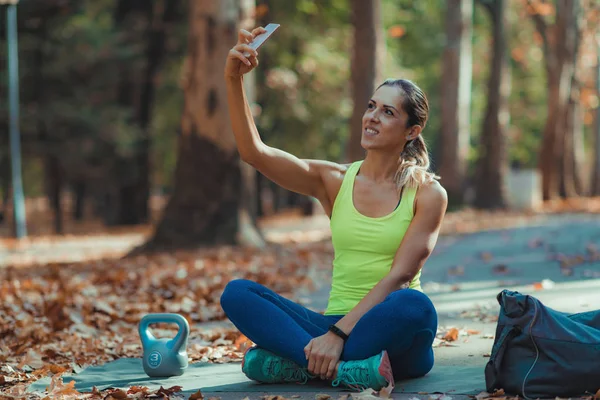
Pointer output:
404, 324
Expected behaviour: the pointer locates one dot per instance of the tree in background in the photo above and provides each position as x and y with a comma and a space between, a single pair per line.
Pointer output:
492, 163
595, 186
204, 206
136, 91
456, 98
560, 40
368, 51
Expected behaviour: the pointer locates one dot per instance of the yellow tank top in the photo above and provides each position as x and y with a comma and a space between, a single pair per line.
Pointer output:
364, 247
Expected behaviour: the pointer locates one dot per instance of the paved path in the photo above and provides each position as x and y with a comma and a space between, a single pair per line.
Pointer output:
466, 272
462, 277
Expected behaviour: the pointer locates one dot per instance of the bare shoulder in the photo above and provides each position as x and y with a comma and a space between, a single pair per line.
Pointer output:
332, 175
432, 198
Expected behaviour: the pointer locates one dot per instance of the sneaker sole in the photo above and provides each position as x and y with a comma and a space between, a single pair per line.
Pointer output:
385, 369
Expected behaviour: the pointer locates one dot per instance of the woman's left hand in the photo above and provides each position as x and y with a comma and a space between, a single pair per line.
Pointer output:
323, 354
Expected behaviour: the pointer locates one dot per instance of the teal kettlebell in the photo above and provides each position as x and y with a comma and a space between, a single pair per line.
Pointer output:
164, 357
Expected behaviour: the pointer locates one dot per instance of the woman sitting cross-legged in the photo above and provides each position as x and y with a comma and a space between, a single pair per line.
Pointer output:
385, 212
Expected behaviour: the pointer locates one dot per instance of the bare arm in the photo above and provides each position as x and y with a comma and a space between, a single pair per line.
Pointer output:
417, 245
301, 176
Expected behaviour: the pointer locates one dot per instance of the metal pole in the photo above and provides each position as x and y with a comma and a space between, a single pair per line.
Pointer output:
13, 101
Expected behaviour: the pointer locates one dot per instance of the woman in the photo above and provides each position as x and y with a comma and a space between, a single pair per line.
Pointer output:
385, 212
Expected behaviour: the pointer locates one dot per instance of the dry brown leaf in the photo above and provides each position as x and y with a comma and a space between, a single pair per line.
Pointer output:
386, 392
198, 396
451, 335
116, 394
322, 396
473, 332
138, 389
500, 269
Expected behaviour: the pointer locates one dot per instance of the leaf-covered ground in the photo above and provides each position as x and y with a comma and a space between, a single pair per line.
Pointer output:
64, 317
61, 317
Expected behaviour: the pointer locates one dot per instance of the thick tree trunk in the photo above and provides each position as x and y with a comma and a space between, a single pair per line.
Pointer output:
595, 184
203, 209
560, 48
492, 165
367, 58
456, 98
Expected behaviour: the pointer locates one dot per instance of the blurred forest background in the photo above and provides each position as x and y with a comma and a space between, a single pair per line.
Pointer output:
124, 121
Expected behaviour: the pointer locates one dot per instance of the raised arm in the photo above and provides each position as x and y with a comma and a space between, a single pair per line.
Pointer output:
302, 176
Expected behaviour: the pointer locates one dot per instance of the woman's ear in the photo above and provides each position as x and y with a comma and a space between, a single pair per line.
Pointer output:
415, 131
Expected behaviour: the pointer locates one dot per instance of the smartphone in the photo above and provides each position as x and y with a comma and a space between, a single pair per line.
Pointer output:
260, 39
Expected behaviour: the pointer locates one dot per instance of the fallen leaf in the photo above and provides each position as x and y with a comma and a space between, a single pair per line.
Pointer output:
473, 332
487, 355
500, 269
198, 396
386, 392
322, 396
116, 394
451, 335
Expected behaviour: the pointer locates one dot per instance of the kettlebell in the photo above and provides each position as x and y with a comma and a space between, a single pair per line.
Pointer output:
164, 357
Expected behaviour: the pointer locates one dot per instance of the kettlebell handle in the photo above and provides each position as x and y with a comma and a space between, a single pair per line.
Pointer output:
182, 333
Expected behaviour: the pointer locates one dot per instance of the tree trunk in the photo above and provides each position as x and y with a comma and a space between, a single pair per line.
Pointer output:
79, 194
203, 209
570, 178
367, 58
54, 180
595, 184
560, 46
53, 175
161, 16
4, 178
492, 165
130, 199
456, 98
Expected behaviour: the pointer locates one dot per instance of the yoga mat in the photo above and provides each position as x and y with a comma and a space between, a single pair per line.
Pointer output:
207, 377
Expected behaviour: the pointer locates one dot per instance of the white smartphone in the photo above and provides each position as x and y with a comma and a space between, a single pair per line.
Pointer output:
260, 39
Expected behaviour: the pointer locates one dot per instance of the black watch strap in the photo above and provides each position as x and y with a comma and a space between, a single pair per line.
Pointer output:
338, 331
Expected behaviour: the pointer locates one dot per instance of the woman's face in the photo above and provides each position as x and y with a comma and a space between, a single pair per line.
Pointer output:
384, 121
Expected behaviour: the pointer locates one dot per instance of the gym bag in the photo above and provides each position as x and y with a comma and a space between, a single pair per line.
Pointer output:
539, 352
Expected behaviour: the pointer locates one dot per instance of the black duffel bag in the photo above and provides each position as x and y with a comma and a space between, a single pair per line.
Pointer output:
539, 352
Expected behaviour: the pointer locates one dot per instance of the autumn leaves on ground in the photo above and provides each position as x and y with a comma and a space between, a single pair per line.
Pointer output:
62, 317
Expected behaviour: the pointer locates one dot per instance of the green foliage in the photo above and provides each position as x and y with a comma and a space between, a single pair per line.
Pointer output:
302, 92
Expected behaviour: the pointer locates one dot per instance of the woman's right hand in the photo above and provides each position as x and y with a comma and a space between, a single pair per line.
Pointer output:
237, 63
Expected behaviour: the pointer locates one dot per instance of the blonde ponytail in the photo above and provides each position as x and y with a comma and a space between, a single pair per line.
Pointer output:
413, 169
413, 165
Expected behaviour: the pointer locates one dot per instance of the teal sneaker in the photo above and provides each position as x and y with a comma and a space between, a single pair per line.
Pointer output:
263, 366
374, 373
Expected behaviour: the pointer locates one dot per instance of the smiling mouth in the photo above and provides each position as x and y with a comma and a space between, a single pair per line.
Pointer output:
370, 132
